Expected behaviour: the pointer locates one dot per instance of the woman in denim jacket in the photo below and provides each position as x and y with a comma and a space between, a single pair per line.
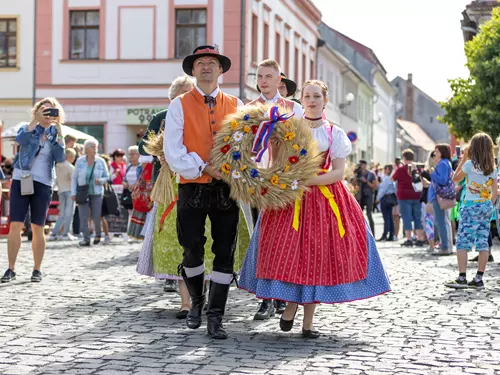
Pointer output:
91, 170
41, 145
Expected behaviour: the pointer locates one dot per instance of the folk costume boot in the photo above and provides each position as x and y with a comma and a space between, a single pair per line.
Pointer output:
266, 310
195, 286
217, 298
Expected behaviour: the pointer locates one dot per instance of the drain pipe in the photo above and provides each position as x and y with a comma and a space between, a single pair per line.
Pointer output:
242, 50
33, 96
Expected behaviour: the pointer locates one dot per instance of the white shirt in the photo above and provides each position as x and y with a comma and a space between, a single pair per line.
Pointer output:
297, 108
187, 164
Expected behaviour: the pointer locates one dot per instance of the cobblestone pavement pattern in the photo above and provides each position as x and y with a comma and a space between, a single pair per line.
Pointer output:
92, 314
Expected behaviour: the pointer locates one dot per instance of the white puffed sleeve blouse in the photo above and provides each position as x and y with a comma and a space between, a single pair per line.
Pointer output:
341, 146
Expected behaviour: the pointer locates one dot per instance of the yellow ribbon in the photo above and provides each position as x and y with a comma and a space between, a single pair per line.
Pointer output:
296, 213
335, 208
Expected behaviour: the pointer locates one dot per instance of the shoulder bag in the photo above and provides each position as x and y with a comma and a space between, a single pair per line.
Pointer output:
27, 184
445, 194
126, 199
82, 191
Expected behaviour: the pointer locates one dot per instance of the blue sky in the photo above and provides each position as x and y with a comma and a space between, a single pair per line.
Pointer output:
422, 37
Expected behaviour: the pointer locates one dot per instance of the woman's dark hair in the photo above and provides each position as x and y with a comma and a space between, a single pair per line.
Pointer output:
117, 152
482, 154
389, 167
445, 150
408, 154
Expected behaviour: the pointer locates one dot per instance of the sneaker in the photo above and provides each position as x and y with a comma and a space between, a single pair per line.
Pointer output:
52, 238
97, 240
457, 284
476, 284
36, 276
442, 252
419, 244
407, 243
107, 240
66, 237
8, 276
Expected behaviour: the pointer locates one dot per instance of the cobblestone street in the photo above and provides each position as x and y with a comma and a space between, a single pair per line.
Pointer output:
92, 314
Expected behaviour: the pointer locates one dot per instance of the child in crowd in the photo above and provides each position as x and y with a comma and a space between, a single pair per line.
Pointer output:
478, 168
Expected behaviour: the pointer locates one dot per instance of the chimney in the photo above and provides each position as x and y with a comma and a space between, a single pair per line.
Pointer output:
409, 98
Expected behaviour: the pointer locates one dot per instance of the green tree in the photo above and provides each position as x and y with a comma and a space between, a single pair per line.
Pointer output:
475, 104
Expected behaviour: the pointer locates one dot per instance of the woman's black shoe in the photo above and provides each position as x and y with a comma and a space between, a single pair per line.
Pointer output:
97, 240
84, 243
8, 276
381, 239
407, 243
287, 325
310, 333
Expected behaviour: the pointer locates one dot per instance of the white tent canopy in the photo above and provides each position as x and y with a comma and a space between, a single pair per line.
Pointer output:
66, 130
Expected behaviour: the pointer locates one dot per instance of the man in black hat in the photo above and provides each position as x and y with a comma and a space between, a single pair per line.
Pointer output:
191, 122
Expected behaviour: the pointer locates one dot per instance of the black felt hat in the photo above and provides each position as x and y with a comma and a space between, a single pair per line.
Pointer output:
291, 86
201, 51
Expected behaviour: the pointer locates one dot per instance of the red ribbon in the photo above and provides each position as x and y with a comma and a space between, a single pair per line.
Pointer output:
167, 211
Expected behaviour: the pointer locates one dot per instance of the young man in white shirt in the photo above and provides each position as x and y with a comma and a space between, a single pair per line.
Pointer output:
271, 84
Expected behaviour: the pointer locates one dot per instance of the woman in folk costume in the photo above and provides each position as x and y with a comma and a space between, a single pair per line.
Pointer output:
319, 250
141, 192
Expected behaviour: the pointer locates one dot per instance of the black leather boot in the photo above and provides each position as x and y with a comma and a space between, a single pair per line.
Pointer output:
217, 298
196, 291
266, 310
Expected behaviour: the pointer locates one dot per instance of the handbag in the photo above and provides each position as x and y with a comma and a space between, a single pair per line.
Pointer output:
445, 203
416, 181
82, 191
126, 198
391, 199
110, 201
142, 190
446, 191
27, 184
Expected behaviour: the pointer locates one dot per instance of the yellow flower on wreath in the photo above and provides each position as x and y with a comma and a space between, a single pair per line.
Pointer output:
227, 138
296, 147
275, 180
287, 168
283, 186
243, 168
251, 190
247, 129
226, 168
234, 124
289, 136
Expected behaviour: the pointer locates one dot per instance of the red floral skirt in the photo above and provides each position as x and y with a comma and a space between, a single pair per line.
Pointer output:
316, 254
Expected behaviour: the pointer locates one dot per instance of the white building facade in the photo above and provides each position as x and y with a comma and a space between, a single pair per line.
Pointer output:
17, 26
384, 128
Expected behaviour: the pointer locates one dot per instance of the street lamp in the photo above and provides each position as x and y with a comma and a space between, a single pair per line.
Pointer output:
349, 98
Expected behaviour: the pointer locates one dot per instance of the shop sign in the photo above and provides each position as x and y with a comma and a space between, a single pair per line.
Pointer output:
141, 116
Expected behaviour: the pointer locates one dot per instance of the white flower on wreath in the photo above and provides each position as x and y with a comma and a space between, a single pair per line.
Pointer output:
236, 174
238, 136
295, 184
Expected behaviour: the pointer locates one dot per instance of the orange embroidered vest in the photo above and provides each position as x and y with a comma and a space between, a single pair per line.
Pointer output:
201, 124
282, 102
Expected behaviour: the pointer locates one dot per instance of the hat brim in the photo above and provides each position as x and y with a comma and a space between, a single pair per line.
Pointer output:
187, 63
291, 87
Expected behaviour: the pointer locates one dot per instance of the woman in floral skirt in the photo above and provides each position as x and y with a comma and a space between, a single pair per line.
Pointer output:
332, 257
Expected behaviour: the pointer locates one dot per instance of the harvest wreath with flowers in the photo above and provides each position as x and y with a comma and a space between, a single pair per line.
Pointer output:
242, 141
